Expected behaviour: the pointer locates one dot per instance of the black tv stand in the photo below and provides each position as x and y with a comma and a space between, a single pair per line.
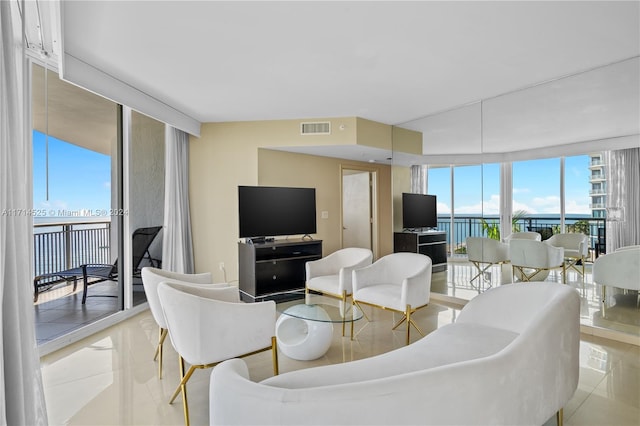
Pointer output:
429, 243
275, 269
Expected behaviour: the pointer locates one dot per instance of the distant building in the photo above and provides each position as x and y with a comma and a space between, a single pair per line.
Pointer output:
598, 181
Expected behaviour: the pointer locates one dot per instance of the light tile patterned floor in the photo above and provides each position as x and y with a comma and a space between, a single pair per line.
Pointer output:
110, 377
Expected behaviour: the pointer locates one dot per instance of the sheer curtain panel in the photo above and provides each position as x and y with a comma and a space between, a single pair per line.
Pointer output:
177, 245
419, 179
21, 396
623, 185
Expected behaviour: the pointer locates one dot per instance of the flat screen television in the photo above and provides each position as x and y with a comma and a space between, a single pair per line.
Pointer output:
267, 211
419, 211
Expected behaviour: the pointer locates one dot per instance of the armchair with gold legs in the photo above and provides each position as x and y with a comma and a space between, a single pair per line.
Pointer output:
209, 325
576, 250
399, 282
533, 260
483, 253
151, 278
331, 275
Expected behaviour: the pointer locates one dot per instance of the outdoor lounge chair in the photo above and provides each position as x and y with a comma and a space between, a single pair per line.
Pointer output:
140, 242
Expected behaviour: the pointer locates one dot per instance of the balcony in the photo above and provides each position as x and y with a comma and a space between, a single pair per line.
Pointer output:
598, 191
63, 245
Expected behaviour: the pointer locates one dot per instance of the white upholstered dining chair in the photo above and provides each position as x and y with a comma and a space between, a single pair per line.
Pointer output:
576, 250
483, 253
524, 235
532, 260
209, 325
151, 278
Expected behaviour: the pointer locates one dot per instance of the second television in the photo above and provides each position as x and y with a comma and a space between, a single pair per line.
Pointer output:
268, 211
419, 211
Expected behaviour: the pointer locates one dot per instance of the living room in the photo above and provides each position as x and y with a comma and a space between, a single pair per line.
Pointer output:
382, 123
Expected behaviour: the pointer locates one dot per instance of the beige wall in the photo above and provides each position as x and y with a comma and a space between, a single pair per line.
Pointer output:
405, 140
401, 183
373, 134
226, 155
279, 168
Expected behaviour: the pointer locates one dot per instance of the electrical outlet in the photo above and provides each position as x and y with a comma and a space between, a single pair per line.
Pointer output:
221, 266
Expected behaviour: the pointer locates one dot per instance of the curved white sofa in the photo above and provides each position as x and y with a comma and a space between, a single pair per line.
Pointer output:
510, 358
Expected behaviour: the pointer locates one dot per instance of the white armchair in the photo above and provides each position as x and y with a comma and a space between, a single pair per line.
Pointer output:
525, 235
532, 260
209, 325
484, 253
331, 275
576, 249
151, 278
620, 269
399, 282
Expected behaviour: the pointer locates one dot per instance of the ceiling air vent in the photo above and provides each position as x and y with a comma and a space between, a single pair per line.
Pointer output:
317, 128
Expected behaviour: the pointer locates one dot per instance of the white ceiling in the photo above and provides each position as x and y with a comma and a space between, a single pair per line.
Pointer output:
391, 62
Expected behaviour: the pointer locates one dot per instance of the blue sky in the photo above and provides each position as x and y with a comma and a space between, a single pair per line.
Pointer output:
78, 178
81, 179
536, 187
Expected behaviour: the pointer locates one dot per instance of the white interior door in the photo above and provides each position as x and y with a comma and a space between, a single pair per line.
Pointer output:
356, 209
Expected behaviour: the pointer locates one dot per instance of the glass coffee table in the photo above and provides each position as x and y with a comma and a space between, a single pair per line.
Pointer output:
304, 329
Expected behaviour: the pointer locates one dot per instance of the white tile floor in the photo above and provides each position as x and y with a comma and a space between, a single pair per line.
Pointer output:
110, 378
59, 311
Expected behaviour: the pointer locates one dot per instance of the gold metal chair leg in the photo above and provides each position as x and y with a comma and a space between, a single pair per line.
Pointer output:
413, 323
344, 310
274, 355
559, 417
403, 319
355, 304
163, 335
182, 388
408, 315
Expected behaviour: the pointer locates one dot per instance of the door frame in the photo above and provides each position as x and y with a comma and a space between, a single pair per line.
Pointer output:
373, 208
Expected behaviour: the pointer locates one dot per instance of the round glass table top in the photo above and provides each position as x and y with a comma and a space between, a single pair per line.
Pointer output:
321, 309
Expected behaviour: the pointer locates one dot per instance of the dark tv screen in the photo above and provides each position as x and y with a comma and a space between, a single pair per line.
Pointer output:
267, 211
419, 211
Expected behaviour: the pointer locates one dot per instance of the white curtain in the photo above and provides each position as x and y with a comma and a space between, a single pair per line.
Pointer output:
623, 193
177, 245
419, 179
21, 396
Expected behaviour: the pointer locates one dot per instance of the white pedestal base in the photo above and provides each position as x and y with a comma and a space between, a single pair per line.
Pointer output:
303, 340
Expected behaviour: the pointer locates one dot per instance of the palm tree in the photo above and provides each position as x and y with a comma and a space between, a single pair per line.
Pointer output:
492, 228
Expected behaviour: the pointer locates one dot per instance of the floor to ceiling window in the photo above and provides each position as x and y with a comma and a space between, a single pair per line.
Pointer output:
74, 139
536, 195
439, 184
85, 149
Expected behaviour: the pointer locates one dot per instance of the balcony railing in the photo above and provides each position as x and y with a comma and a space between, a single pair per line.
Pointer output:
472, 226
64, 245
